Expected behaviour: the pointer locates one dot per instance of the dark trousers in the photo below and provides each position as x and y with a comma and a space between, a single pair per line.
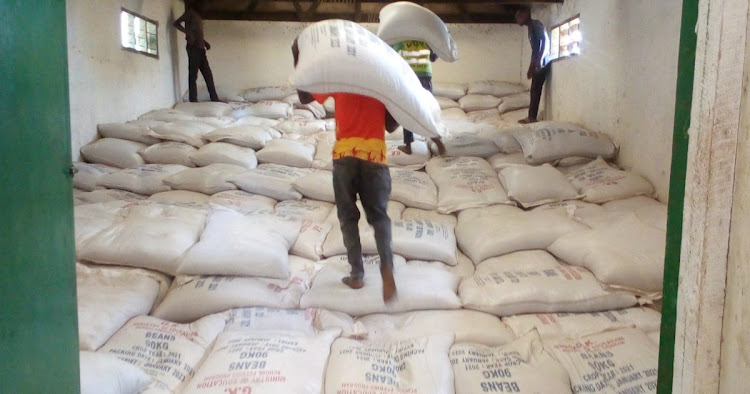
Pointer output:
427, 84
537, 83
372, 182
197, 60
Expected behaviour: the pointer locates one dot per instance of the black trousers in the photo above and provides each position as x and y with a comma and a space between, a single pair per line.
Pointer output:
427, 84
197, 60
372, 182
537, 83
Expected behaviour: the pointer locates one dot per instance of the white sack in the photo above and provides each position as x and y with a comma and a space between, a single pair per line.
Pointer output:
424, 240
309, 321
515, 102
249, 136
533, 186
205, 109
433, 216
413, 189
465, 182
415, 366
628, 253
501, 161
648, 210
534, 282
151, 236
192, 297
446, 103
182, 197
271, 180
420, 286
317, 185
169, 352
218, 122
545, 142
334, 243
420, 154
268, 93
147, 179
327, 66
600, 183
489, 232
88, 175
301, 126
105, 374
222, 152
264, 109
110, 296
189, 132
453, 91
169, 153
302, 114
228, 95
478, 102
494, 88
515, 116
403, 20
265, 362
209, 180
485, 116
288, 153
243, 202
235, 244
166, 115
576, 325
453, 114
622, 361
466, 325
254, 121
109, 195
90, 219
114, 152
519, 367
315, 227
127, 131
469, 139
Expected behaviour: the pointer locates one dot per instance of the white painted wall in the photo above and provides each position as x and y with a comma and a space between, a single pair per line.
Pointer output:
624, 81
249, 54
107, 83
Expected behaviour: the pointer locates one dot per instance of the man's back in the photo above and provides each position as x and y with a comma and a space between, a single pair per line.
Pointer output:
194, 29
360, 127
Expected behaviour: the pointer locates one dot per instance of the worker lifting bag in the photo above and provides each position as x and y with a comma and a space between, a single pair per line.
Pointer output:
335, 54
403, 20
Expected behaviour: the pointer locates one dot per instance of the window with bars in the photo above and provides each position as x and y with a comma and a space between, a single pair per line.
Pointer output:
566, 38
139, 34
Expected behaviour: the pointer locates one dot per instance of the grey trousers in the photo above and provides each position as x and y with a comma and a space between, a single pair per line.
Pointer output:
372, 182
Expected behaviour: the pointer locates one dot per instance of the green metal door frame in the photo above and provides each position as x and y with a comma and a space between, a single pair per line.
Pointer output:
38, 327
683, 107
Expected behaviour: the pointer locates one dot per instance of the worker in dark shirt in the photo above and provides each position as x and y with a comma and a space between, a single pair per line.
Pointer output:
539, 66
196, 48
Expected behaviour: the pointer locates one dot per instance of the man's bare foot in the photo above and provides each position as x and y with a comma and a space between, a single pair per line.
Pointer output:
405, 148
353, 282
389, 284
527, 120
440, 146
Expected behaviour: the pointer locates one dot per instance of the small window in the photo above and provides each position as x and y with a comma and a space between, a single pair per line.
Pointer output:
566, 38
139, 34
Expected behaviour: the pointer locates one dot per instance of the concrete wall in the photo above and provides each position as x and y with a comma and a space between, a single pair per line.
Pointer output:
107, 83
249, 54
624, 81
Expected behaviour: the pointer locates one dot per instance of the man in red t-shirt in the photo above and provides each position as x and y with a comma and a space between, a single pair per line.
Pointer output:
359, 168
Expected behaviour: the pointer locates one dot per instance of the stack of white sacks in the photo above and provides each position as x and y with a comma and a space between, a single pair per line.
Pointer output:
211, 256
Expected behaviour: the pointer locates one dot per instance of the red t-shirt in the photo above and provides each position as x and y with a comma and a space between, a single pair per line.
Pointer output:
360, 127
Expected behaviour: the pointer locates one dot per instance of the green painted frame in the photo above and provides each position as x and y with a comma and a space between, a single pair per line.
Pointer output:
683, 107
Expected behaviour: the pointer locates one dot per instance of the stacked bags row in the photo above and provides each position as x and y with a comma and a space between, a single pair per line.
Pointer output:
266, 350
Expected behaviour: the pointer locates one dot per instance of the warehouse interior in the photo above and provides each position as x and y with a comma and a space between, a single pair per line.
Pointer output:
203, 250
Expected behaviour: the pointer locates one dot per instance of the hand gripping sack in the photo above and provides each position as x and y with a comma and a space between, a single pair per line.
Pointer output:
403, 20
335, 54
519, 367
